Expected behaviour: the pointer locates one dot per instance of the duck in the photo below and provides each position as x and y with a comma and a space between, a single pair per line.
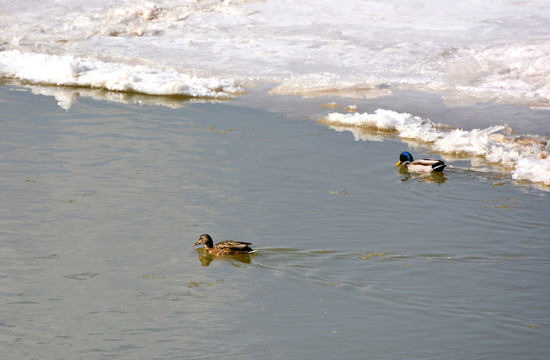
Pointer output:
424, 165
228, 247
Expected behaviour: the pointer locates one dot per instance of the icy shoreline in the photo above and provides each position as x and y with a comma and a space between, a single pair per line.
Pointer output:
478, 52
528, 157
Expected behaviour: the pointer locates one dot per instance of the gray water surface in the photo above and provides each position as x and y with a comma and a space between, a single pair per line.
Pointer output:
102, 203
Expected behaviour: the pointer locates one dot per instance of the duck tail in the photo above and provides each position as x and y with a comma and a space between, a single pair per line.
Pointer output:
439, 166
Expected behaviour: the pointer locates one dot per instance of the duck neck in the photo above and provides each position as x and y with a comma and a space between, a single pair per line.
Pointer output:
208, 244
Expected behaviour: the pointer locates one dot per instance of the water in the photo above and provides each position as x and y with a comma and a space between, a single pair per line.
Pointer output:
129, 128
102, 203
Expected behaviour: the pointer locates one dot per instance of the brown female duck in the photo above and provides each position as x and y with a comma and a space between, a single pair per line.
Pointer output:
228, 247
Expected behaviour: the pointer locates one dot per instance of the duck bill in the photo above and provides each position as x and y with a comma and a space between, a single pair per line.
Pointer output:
398, 163
195, 244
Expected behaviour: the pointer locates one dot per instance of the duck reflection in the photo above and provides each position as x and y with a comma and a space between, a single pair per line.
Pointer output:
206, 258
432, 177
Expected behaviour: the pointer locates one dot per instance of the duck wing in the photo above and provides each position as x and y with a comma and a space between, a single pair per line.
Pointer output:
426, 165
233, 244
426, 162
437, 165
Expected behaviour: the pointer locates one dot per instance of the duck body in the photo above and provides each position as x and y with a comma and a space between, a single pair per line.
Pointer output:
228, 247
424, 165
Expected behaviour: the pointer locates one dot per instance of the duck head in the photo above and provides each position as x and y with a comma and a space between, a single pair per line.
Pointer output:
206, 240
404, 157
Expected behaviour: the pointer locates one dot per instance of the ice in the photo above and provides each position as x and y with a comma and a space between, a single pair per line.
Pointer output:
534, 170
73, 71
474, 51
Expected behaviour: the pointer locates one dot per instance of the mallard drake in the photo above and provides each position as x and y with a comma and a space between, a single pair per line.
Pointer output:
424, 165
228, 247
